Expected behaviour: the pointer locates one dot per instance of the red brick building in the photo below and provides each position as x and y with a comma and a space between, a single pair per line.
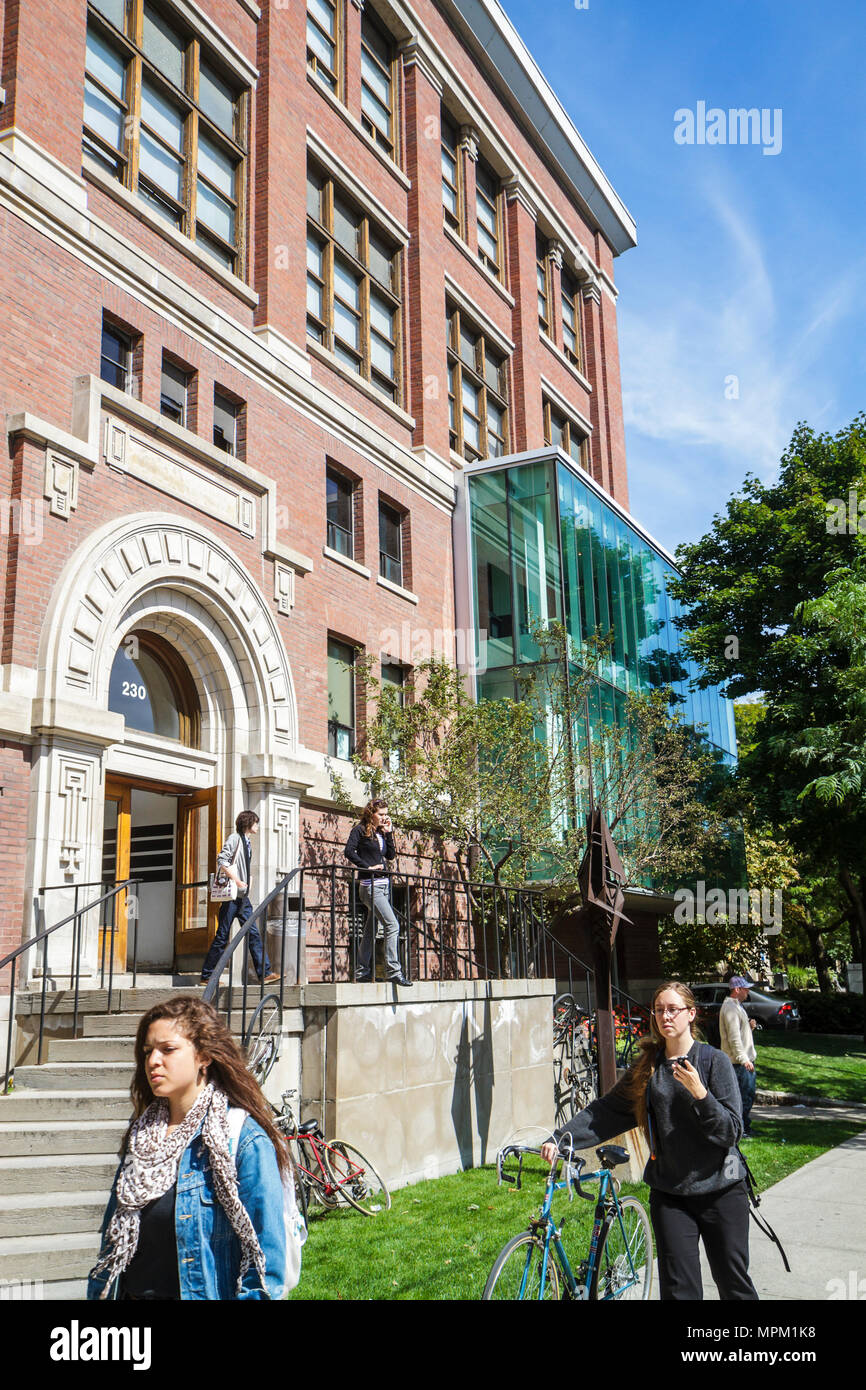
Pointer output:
271, 274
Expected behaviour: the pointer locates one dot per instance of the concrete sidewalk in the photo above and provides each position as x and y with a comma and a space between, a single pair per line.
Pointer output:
819, 1215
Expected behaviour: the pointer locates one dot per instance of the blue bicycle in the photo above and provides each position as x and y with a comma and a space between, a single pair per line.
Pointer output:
534, 1264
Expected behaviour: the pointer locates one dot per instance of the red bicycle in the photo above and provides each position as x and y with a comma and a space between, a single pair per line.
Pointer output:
329, 1171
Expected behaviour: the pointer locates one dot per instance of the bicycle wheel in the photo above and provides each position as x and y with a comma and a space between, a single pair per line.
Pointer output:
262, 1038
516, 1273
625, 1259
358, 1181
315, 1180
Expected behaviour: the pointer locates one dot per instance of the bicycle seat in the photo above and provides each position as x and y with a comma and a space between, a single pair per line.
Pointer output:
308, 1127
612, 1154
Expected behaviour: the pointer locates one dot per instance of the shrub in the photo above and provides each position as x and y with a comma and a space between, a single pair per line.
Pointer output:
828, 1013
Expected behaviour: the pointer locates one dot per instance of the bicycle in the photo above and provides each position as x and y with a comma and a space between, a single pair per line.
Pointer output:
328, 1172
534, 1265
263, 1037
574, 1077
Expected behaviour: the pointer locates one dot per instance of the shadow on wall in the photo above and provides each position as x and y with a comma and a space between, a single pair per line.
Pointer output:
473, 1068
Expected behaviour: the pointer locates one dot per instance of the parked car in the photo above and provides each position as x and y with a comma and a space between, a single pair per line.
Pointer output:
768, 1009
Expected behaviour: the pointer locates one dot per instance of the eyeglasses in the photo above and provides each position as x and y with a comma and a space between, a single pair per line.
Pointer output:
663, 1013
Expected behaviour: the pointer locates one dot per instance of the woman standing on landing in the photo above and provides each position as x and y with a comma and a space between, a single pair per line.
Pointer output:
684, 1095
369, 846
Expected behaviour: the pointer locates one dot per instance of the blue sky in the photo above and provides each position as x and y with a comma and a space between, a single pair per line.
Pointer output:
747, 265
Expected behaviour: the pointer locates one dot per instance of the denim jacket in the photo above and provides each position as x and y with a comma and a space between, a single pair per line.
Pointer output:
208, 1251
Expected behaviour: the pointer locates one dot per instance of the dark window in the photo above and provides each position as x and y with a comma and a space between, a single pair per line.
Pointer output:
164, 119
116, 358
340, 506
225, 422
341, 699
353, 286
563, 434
451, 174
174, 392
377, 83
570, 318
477, 399
390, 544
153, 689
487, 201
542, 274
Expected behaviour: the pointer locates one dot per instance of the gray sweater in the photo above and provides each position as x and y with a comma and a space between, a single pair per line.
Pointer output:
693, 1143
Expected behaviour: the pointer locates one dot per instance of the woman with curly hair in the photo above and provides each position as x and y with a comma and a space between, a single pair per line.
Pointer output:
684, 1095
188, 1217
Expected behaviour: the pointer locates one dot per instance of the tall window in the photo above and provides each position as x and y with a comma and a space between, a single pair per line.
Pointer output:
353, 286
341, 699
450, 174
542, 274
487, 202
164, 119
390, 544
227, 416
377, 83
115, 363
477, 392
561, 432
394, 679
340, 512
570, 318
174, 392
323, 40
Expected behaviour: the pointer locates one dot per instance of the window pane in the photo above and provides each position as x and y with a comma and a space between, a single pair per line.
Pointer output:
347, 283
115, 358
382, 356
347, 223
375, 40
217, 99
163, 45
487, 244
381, 261
142, 692
493, 371
378, 114
216, 166
161, 115
173, 391
105, 63
103, 116
347, 326
164, 169
114, 10
215, 212
324, 13
314, 196
225, 420
341, 694
323, 50
381, 315
467, 347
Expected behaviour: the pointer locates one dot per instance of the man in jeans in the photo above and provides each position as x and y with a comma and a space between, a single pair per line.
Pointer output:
735, 1030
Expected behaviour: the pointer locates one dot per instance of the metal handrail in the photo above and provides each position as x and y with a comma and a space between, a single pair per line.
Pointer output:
75, 917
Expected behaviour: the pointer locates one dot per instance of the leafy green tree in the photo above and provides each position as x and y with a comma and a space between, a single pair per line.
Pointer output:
774, 599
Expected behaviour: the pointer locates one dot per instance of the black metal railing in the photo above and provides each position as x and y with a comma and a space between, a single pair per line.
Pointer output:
76, 918
237, 952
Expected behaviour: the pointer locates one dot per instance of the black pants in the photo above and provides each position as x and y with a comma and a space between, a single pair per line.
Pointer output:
721, 1220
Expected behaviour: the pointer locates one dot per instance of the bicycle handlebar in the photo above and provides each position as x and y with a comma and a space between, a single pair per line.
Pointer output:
573, 1167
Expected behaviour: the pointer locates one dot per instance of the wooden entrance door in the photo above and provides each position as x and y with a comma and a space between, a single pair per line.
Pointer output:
117, 825
198, 844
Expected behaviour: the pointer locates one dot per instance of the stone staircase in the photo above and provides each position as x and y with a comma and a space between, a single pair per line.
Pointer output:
60, 1130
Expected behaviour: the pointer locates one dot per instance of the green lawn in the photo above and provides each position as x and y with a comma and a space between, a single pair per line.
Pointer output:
815, 1064
440, 1238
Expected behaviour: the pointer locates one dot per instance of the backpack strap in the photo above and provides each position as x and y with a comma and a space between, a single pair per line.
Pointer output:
236, 1117
754, 1202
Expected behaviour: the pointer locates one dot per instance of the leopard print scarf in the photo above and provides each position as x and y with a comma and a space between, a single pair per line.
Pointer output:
150, 1167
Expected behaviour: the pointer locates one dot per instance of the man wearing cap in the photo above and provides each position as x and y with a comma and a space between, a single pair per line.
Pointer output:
735, 1030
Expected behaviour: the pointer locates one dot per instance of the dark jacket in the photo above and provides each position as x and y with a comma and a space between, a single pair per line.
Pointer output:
364, 851
693, 1142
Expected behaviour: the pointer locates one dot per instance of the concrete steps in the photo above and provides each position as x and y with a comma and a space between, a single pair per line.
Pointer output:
91, 1104
61, 1256
101, 1049
52, 1174
62, 1077
61, 1137
29, 1214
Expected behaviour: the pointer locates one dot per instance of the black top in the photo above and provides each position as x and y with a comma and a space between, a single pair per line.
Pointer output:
152, 1271
365, 851
693, 1143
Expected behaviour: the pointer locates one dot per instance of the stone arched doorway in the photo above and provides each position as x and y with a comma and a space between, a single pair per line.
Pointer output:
109, 792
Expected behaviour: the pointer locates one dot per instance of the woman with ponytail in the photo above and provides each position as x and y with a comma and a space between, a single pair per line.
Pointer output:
684, 1095
193, 1215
